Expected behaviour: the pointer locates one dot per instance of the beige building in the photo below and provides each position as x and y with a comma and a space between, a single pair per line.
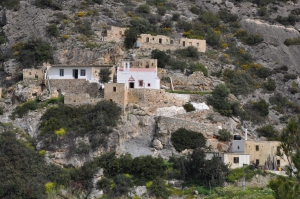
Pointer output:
144, 63
116, 92
162, 42
114, 34
262, 153
33, 73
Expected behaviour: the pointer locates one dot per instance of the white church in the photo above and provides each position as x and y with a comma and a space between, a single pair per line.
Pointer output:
138, 77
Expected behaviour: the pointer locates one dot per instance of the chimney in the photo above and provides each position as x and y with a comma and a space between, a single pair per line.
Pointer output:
246, 134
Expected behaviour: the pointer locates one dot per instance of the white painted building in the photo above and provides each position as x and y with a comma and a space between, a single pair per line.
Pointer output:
234, 160
89, 72
138, 77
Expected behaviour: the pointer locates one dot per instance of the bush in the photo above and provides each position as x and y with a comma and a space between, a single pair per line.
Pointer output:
48, 4
159, 189
270, 85
52, 30
185, 139
175, 16
226, 16
104, 75
268, 131
289, 20
83, 148
210, 19
144, 9
104, 185
189, 107
84, 27
261, 107
198, 67
224, 135
2, 39
239, 83
122, 186
294, 41
162, 58
161, 11
131, 36
1, 111
22, 165
34, 52
190, 51
288, 77
10, 4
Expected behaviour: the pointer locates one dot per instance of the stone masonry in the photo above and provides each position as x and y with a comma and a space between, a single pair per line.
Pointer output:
33, 73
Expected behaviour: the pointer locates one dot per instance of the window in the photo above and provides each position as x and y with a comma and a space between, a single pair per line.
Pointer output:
115, 89
236, 160
61, 72
160, 40
257, 161
197, 44
148, 84
257, 148
278, 162
141, 83
82, 72
238, 147
147, 39
183, 43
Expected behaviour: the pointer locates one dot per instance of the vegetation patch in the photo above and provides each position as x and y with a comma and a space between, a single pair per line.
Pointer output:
294, 41
237, 174
185, 139
34, 52
189, 107
48, 4
269, 132
66, 122
32, 105
224, 135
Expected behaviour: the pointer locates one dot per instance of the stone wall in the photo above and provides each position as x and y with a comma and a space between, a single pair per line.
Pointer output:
116, 92
164, 43
115, 34
33, 73
144, 63
80, 99
74, 86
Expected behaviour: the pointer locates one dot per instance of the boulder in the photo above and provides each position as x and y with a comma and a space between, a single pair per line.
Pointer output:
157, 144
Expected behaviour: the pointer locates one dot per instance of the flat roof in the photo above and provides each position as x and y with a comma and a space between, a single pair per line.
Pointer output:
140, 69
64, 65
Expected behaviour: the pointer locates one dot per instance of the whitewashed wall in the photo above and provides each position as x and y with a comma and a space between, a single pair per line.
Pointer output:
243, 159
53, 73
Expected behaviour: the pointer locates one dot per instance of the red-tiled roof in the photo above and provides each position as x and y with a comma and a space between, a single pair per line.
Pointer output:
139, 69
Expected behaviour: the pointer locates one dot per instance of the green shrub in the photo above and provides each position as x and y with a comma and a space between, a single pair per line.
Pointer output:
288, 77
131, 36
185, 139
178, 65
252, 39
84, 27
104, 75
158, 188
294, 41
210, 19
162, 58
226, 16
52, 30
268, 131
196, 10
262, 11
144, 9
224, 135
190, 51
198, 67
261, 107
22, 165
122, 186
34, 52
239, 83
2, 39
1, 111
83, 148
175, 16
289, 20
104, 185
270, 85
48, 4
161, 11
189, 107
10, 4
213, 39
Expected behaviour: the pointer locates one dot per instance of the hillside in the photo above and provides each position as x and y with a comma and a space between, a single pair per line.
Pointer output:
247, 75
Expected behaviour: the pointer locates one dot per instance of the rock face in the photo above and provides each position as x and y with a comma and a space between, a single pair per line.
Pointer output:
273, 52
30, 92
78, 56
28, 21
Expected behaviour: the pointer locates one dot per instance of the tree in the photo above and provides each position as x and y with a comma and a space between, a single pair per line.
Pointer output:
52, 30
131, 36
289, 187
162, 58
104, 75
224, 135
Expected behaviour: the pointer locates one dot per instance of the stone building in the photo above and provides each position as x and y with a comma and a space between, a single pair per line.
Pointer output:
113, 33
262, 153
162, 42
144, 63
33, 73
